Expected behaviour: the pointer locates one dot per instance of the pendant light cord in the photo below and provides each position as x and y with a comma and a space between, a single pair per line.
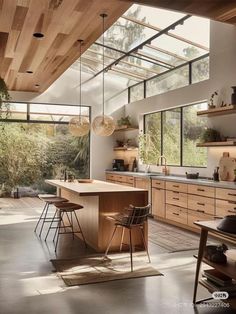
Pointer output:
103, 65
80, 94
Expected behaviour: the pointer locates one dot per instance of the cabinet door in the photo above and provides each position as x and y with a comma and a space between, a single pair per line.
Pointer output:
142, 183
158, 202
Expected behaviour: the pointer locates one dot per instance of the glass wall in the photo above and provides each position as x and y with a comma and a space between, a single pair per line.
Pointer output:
176, 133
32, 152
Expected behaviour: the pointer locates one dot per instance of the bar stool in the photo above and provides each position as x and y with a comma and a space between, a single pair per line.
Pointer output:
49, 199
135, 217
66, 209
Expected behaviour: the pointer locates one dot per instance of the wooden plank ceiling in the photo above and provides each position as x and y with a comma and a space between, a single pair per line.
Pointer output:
219, 10
62, 22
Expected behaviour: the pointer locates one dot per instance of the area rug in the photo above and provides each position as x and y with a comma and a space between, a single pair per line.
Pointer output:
172, 238
94, 269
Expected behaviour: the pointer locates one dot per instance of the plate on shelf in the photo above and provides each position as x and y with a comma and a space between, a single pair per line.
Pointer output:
85, 180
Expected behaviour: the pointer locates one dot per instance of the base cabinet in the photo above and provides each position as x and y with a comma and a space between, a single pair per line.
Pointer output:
158, 202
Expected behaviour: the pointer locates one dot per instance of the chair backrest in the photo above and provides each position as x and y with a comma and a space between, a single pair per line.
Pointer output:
137, 215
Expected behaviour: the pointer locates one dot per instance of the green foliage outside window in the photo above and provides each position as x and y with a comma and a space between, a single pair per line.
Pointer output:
31, 153
166, 127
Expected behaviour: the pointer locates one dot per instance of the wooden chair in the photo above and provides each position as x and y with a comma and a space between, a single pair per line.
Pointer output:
134, 217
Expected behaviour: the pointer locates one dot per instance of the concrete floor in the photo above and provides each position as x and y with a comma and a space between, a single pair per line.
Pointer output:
28, 284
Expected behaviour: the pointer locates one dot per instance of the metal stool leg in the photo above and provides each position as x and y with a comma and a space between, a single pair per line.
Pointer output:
131, 249
50, 225
59, 229
144, 242
40, 217
80, 228
72, 228
122, 238
45, 216
109, 244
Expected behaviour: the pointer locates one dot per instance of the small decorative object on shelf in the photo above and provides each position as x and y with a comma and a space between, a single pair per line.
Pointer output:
124, 122
211, 135
215, 253
213, 102
216, 174
233, 96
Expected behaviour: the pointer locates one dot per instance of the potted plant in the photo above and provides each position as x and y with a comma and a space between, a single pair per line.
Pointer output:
211, 135
124, 122
4, 97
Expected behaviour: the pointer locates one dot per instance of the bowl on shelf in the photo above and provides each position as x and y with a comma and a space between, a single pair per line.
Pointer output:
192, 175
85, 180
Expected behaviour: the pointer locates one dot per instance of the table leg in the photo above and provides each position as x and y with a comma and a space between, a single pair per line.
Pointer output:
202, 244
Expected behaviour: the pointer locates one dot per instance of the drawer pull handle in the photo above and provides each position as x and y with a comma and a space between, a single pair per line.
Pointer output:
176, 186
175, 192
231, 202
202, 204
232, 194
200, 211
157, 189
175, 214
231, 211
201, 190
176, 198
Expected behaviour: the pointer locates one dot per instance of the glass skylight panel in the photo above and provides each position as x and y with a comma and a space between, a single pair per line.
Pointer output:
125, 35
153, 16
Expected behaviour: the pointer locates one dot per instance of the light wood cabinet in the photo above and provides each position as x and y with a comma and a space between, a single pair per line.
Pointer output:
224, 208
226, 194
177, 214
201, 190
196, 216
158, 184
142, 183
158, 202
176, 198
201, 204
176, 186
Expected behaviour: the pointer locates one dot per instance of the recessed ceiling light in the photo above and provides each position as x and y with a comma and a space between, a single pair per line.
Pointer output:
38, 35
29, 72
37, 85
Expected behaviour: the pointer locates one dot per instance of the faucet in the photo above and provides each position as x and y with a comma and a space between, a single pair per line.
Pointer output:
164, 169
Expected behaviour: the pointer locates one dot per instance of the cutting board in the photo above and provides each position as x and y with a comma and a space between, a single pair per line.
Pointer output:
227, 165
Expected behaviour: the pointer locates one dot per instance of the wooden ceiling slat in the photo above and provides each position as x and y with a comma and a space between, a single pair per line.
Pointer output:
19, 18
7, 15
11, 43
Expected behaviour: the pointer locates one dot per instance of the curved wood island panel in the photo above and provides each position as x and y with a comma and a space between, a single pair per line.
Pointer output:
101, 199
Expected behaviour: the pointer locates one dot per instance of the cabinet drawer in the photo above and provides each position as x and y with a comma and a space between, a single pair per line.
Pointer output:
195, 216
110, 177
158, 184
176, 213
176, 186
176, 198
226, 194
120, 178
130, 180
224, 208
201, 190
158, 202
201, 204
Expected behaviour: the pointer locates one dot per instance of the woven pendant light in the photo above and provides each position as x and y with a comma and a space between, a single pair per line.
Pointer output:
79, 125
103, 125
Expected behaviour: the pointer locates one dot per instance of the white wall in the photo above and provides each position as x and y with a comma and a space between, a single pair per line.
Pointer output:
222, 76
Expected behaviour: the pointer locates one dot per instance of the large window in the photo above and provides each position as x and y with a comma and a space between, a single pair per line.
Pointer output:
176, 132
35, 144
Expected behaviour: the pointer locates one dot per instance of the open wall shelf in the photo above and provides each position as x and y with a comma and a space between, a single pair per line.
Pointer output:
217, 144
220, 111
118, 129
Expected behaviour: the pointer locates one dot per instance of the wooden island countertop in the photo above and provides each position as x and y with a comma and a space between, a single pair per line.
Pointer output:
101, 199
94, 188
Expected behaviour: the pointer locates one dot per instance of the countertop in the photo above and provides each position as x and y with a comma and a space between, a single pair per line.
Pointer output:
94, 188
182, 179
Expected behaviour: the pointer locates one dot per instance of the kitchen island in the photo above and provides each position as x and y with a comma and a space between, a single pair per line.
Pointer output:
101, 199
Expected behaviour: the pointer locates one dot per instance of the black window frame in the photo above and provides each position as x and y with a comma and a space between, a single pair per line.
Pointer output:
181, 132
